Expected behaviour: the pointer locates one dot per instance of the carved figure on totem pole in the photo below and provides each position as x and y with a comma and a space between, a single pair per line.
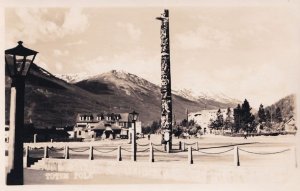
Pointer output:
166, 96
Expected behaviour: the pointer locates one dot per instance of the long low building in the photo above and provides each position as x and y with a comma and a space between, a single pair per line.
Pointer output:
100, 125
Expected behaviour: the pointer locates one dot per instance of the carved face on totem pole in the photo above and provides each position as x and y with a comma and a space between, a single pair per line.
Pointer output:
166, 99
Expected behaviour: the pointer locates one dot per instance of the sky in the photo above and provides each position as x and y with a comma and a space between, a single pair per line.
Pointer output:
243, 51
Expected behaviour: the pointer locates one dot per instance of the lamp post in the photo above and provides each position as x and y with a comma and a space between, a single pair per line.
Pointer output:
133, 116
18, 61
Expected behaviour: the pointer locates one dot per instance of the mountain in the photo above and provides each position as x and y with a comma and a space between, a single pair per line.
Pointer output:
73, 78
208, 95
51, 101
286, 105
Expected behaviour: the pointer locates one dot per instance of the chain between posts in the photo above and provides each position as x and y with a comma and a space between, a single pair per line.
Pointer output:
264, 153
159, 150
214, 152
145, 150
36, 148
83, 150
56, 149
157, 144
126, 150
143, 145
112, 150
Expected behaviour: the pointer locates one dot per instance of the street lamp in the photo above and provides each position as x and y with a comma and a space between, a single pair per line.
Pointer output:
133, 116
18, 61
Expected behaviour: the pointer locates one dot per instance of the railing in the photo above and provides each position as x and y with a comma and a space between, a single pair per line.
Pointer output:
152, 149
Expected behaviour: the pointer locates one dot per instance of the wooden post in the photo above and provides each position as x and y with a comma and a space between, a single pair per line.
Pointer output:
26, 162
197, 146
91, 156
151, 154
183, 146
190, 155
133, 143
34, 138
51, 140
168, 147
67, 156
294, 152
46, 155
179, 144
119, 157
236, 156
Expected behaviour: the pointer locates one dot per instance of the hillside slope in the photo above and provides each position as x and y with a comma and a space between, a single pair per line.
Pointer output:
51, 101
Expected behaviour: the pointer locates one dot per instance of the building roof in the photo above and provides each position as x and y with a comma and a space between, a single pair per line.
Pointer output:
105, 126
122, 117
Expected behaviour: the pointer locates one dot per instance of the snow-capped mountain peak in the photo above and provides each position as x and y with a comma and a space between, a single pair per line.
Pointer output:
206, 95
74, 78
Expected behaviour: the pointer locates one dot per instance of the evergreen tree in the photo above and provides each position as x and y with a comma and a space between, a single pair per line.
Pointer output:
261, 114
278, 115
228, 121
184, 123
220, 118
243, 118
268, 116
192, 122
237, 118
247, 118
219, 122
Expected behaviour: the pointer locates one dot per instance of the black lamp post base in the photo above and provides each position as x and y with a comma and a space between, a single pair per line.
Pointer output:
14, 178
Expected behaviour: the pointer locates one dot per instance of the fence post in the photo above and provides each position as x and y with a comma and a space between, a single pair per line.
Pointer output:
179, 144
51, 140
190, 155
168, 147
183, 146
236, 156
46, 155
294, 151
91, 156
151, 154
119, 153
26, 162
67, 156
34, 138
197, 146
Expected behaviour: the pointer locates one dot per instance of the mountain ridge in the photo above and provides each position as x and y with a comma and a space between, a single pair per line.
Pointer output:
51, 101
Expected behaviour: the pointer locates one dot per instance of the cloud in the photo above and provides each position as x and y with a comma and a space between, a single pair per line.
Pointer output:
58, 52
39, 25
133, 31
134, 61
58, 66
204, 37
79, 42
75, 21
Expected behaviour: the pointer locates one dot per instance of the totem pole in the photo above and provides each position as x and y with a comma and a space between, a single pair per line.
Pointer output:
166, 96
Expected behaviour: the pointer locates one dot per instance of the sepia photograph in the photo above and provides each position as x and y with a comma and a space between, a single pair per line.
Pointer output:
147, 95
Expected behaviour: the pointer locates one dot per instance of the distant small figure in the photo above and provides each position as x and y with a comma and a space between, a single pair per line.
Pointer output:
149, 136
245, 135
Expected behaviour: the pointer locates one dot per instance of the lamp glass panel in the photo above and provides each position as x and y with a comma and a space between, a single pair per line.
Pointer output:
9, 64
19, 63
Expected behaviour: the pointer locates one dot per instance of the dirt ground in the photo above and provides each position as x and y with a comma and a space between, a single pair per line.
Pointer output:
251, 144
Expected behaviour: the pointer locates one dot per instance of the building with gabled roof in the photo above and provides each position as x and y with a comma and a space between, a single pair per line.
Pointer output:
103, 125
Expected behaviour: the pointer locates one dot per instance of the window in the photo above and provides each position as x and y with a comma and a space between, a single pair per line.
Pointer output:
79, 132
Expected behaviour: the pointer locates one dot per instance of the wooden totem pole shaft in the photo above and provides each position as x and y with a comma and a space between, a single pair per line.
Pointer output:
166, 96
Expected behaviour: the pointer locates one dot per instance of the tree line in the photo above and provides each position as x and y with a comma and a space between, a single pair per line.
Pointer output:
244, 120
237, 120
